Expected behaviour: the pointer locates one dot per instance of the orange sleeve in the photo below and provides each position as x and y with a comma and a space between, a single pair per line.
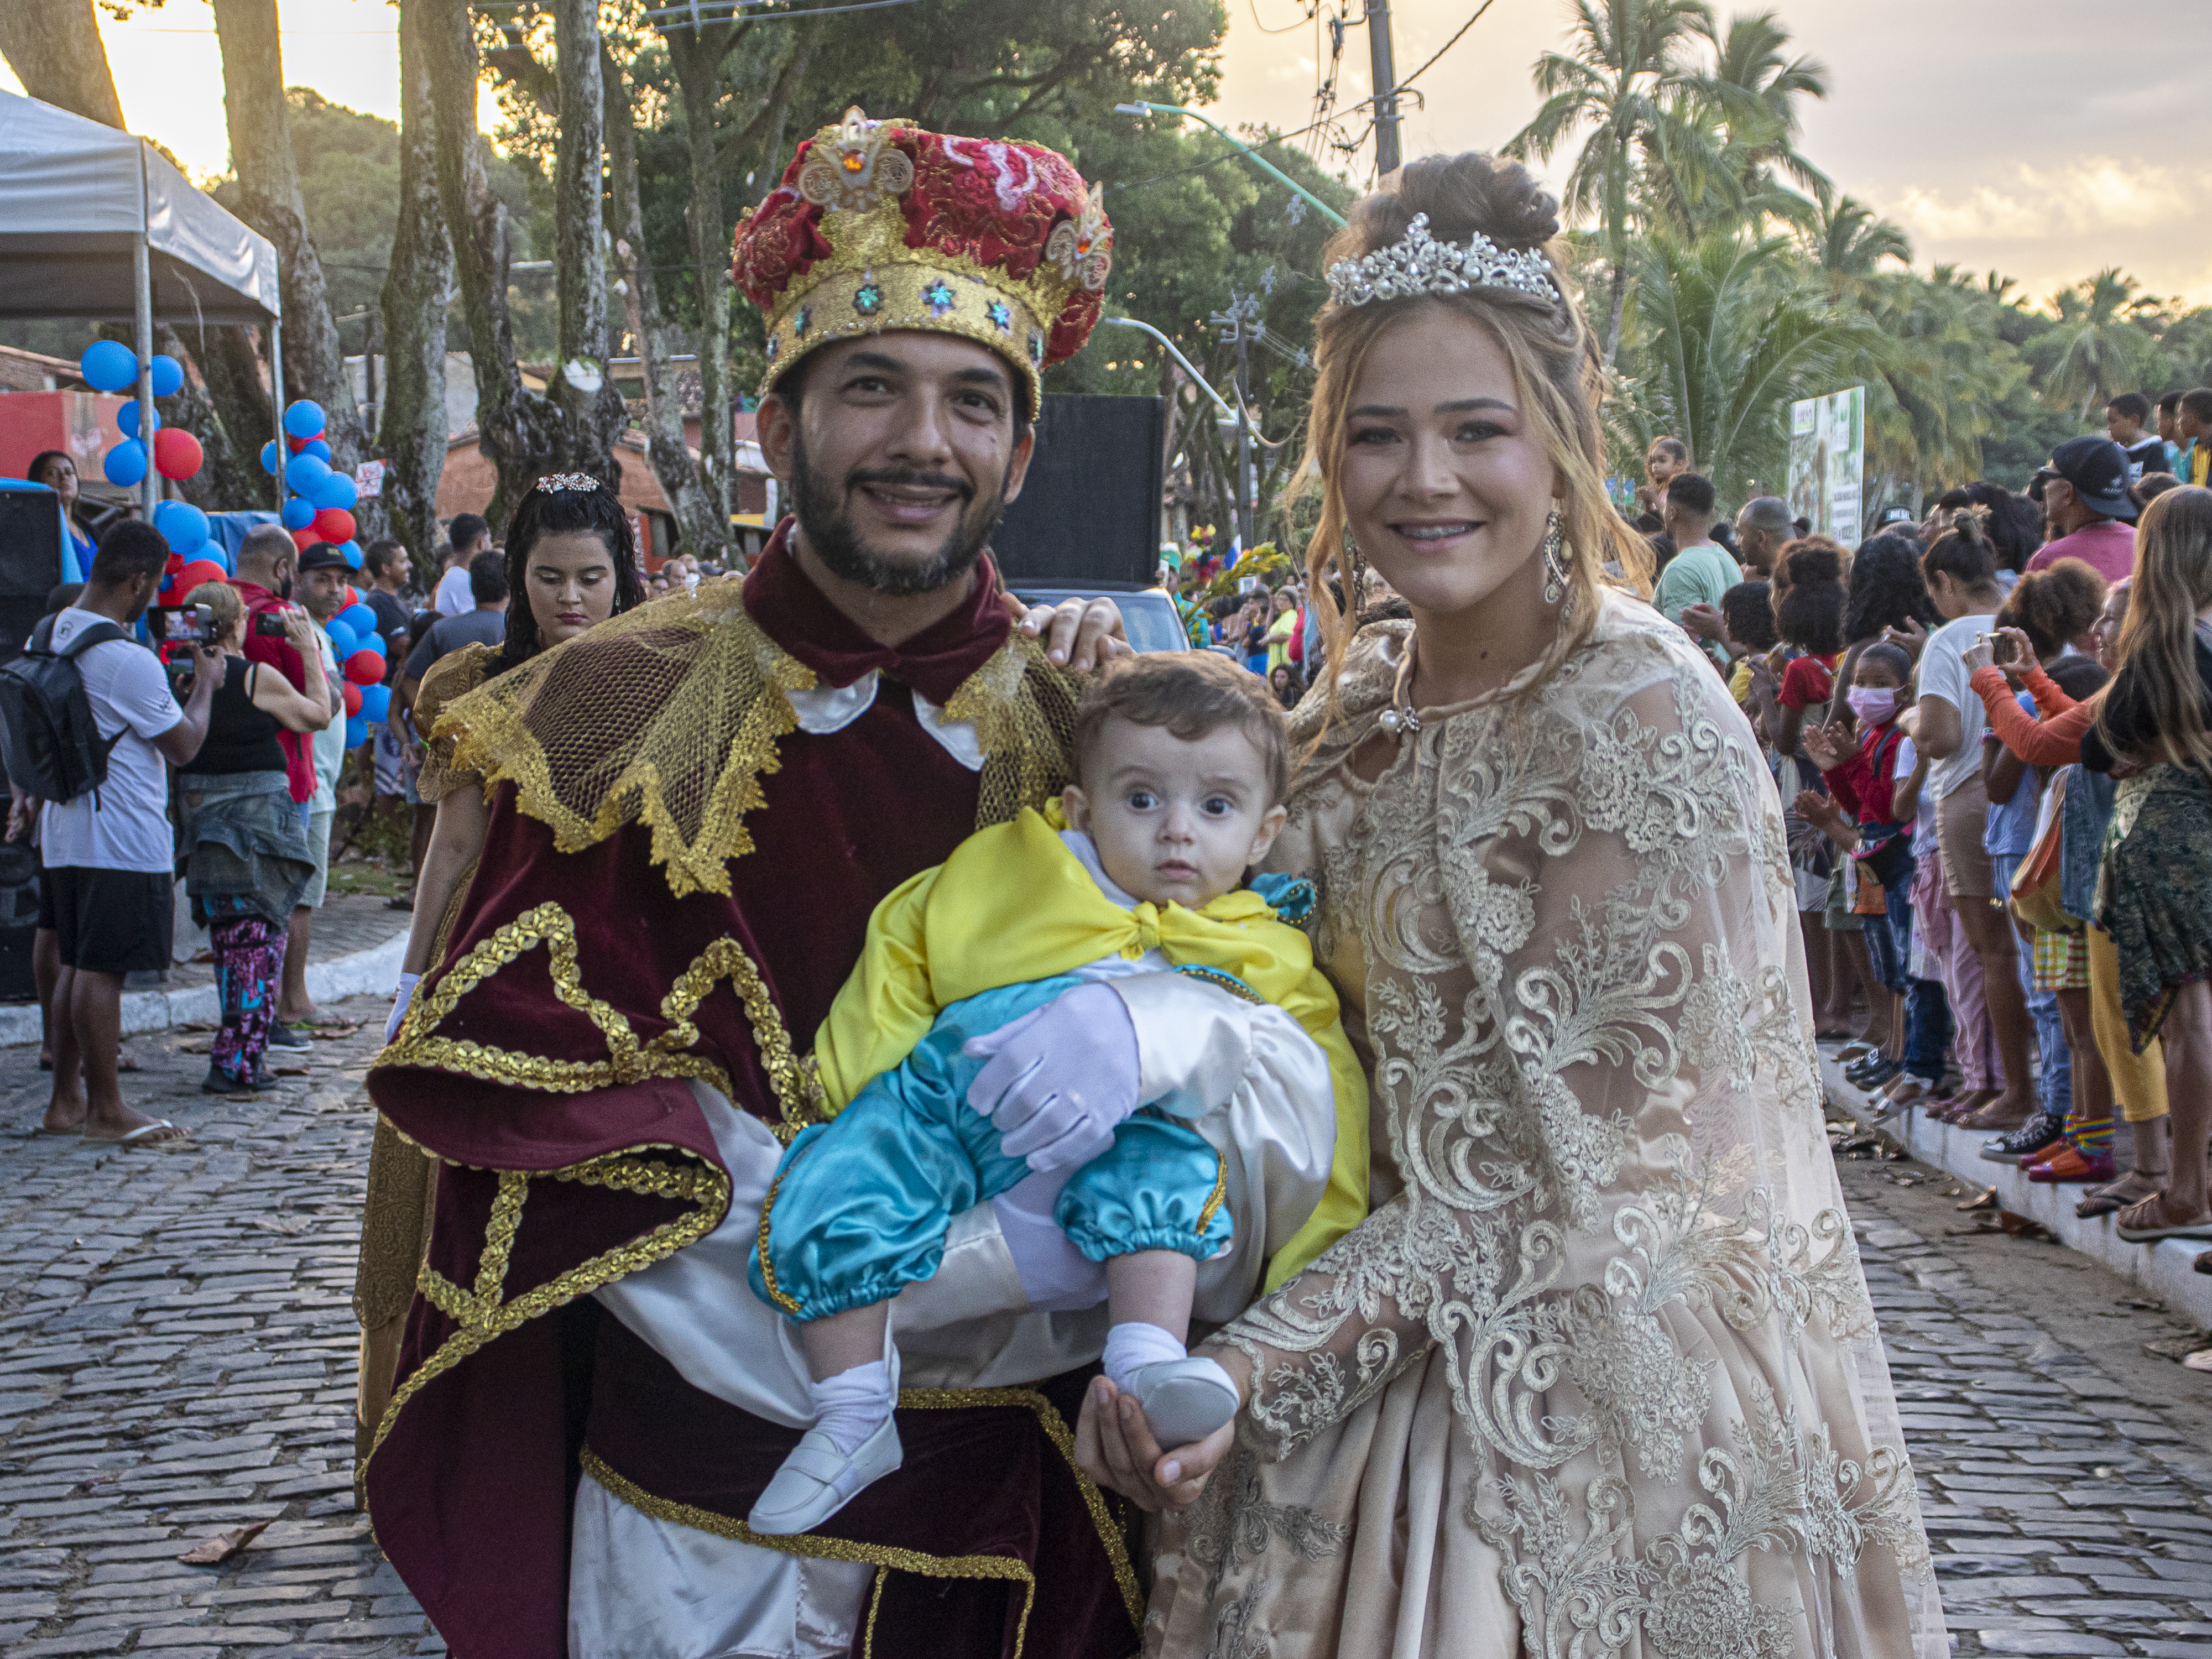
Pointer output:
2053, 742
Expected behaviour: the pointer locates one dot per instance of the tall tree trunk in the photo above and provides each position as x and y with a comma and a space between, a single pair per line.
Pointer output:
411, 424
583, 390
698, 51
703, 533
523, 434
55, 49
1619, 304
255, 108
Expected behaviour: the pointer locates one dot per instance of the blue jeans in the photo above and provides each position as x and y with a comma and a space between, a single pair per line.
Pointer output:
2054, 1082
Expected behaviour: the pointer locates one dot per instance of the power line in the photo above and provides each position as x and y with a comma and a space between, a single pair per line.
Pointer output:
1287, 28
1447, 46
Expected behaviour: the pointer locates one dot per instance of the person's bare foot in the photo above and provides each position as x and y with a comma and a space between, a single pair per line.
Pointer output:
121, 1123
2159, 1213
63, 1115
2006, 1111
2132, 1187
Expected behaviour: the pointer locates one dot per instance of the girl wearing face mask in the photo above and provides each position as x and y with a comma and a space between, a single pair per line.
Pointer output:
1863, 780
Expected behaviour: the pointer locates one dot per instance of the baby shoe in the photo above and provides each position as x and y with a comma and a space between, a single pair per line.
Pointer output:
1184, 1399
817, 1479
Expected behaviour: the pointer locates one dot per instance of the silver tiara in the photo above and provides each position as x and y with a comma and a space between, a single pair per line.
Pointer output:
555, 484
1418, 263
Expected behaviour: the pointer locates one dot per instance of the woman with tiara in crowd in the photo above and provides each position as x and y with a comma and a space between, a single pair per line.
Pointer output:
571, 564
1599, 1374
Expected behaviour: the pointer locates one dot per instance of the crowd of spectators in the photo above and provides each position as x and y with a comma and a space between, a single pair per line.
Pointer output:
1990, 734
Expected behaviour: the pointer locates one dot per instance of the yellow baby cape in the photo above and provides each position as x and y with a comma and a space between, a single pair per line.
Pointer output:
1012, 904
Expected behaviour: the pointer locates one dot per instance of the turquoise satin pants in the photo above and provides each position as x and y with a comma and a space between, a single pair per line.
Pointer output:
860, 1204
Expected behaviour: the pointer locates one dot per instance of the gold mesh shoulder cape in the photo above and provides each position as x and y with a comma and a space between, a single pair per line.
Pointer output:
669, 715
1598, 1376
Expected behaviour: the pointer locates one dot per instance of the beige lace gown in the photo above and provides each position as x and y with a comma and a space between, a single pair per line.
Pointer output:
1598, 1375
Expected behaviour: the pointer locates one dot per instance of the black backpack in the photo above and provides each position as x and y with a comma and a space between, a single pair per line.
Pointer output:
48, 737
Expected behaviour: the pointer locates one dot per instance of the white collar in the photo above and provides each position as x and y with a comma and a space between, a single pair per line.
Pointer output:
828, 708
1078, 843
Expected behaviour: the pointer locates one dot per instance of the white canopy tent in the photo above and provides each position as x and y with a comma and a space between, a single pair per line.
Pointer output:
98, 224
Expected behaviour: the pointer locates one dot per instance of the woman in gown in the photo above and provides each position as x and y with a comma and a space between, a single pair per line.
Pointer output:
1599, 1375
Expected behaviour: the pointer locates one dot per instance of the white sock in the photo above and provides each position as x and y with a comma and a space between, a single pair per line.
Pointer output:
852, 1405
1135, 1344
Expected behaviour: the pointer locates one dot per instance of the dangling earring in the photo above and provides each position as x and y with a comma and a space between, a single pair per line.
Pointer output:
1355, 569
1555, 564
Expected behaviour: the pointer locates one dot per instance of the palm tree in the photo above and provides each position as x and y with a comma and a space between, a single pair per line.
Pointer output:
1626, 55
2100, 347
1852, 241
1756, 89
1731, 338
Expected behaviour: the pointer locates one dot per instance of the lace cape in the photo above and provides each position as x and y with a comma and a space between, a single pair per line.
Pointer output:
1599, 1374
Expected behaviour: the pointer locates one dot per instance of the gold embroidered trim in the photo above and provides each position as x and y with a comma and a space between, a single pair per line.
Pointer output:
839, 1549
775, 1292
885, 1558
1023, 709
484, 1314
1222, 980
628, 1060
1220, 1192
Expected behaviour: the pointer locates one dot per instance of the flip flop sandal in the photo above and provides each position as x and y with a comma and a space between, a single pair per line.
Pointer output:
136, 1141
2152, 1235
2204, 1262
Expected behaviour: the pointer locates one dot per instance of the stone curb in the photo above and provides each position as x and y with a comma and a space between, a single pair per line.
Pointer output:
2165, 1270
375, 970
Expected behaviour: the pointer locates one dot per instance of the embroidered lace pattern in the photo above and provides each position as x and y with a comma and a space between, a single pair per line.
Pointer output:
1620, 1252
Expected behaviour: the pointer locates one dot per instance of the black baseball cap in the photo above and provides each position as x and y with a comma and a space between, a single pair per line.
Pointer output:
2098, 470
322, 555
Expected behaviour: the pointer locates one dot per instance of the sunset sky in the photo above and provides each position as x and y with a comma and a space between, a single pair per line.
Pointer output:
1998, 132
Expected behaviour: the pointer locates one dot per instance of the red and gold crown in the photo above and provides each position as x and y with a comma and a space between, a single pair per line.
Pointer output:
878, 225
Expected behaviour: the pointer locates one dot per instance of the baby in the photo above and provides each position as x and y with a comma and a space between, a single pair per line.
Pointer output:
1182, 769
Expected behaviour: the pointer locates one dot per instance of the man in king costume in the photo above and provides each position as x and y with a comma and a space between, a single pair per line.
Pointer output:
694, 808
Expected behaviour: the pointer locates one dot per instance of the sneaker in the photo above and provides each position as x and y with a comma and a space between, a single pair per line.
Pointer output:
1871, 1075
281, 1036
2038, 1135
1184, 1399
817, 1479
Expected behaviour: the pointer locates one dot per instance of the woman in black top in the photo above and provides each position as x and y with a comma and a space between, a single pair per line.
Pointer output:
2155, 893
246, 852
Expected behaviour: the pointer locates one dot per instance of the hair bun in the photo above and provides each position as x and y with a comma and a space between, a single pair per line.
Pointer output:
1461, 195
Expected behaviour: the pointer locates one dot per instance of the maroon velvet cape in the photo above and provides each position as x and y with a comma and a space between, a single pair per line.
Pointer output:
989, 1543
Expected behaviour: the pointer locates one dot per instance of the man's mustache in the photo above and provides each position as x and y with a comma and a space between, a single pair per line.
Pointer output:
901, 477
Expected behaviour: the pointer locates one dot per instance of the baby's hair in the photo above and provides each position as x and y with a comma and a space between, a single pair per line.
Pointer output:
1193, 694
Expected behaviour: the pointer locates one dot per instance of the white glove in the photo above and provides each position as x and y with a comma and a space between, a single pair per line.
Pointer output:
400, 999
1060, 1079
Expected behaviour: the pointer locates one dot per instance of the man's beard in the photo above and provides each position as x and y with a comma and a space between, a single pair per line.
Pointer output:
818, 504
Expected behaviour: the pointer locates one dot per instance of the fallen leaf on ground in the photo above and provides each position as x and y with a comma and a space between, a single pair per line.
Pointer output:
195, 1046
1987, 1200
2146, 1304
2199, 1362
2175, 1347
292, 1071
209, 1551
339, 1034
2020, 1227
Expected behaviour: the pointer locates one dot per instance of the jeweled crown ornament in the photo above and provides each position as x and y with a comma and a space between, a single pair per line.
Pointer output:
877, 226
558, 483
1417, 264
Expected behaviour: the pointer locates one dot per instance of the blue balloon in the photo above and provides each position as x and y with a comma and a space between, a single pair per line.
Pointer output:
354, 558
297, 513
338, 490
343, 639
357, 731
268, 458
303, 419
315, 447
375, 702
168, 375
184, 526
126, 419
360, 619
125, 464
306, 474
108, 366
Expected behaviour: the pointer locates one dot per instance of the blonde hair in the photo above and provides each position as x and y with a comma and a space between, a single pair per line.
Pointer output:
1556, 373
2157, 688
222, 600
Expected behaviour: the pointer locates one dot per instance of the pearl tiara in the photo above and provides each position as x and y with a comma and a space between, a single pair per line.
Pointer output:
555, 483
1417, 264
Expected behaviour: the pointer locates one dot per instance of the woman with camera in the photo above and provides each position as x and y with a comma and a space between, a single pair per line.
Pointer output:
246, 852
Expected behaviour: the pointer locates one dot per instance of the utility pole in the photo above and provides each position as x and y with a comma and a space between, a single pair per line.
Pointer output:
1239, 324
1386, 87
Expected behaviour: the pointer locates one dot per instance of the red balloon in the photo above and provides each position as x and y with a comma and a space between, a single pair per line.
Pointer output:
177, 453
296, 445
304, 539
352, 695
332, 523
365, 667
353, 594
176, 563
199, 571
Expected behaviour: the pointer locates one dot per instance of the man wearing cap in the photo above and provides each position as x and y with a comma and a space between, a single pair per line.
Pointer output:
2084, 494
694, 808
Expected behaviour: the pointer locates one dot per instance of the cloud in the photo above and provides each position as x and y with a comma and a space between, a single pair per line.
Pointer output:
2098, 195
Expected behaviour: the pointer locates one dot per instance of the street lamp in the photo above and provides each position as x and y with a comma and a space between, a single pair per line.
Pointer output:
1257, 160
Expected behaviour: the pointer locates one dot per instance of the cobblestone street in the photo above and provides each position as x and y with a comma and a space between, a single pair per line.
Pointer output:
179, 1355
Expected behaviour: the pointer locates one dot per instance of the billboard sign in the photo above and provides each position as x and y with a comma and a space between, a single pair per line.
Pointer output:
1828, 463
